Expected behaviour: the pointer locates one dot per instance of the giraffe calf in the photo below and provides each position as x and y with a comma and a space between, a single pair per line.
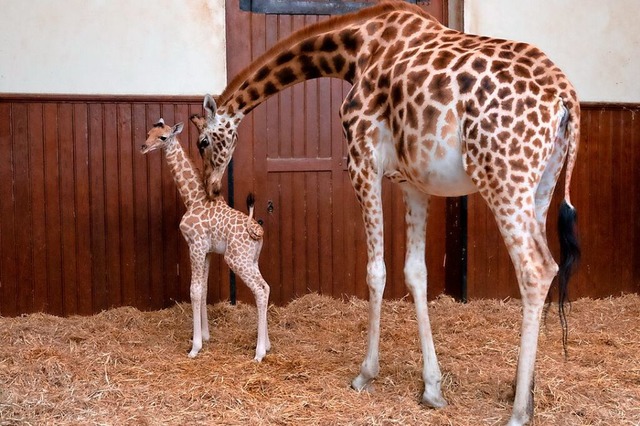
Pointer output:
211, 226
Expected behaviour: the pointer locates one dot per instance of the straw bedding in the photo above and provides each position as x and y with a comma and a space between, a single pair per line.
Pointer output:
124, 366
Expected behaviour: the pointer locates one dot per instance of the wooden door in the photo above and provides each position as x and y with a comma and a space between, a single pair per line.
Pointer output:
291, 153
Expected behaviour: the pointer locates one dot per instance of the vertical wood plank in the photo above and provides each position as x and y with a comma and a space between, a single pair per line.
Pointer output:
67, 208
52, 210
127, 214
82, 208
98, 215
112, 206
22, 207
38, 206
8, 270
141, 212
633, 140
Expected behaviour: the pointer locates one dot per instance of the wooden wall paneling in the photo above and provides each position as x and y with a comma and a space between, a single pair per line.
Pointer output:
82, 208
97, 202
592, 230
8, 270
52, 210
22, 207
124, 145
600, 225
606, 181
623, 203
141, 189
67, 207
631, 142
38, 207
112, 206
622, 209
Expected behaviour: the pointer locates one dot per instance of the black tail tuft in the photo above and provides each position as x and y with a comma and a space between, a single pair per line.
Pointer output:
569, 257
250, 201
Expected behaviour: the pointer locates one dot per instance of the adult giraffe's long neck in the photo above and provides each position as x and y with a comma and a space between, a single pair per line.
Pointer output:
185, 175
327, 49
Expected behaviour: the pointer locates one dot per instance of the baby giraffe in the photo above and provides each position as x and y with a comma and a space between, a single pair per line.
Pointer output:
211, 226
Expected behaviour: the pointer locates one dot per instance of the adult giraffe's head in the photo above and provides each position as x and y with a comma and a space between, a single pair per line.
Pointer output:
216, 142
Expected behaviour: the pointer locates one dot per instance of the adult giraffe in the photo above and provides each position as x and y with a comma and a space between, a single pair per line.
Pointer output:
440, 113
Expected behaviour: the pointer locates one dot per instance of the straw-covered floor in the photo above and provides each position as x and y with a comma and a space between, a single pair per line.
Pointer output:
124, 366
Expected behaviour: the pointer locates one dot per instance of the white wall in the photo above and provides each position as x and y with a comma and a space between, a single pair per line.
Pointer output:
595, 42
119, 47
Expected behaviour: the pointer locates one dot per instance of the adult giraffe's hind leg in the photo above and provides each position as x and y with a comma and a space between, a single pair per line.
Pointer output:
415, 272
535, 270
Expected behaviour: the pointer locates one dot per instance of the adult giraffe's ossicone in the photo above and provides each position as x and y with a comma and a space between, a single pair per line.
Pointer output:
440, 113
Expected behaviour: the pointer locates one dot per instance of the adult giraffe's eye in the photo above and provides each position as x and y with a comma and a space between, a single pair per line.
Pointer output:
203, 143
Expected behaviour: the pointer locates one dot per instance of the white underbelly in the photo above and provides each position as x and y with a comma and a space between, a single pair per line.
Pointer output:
444, 176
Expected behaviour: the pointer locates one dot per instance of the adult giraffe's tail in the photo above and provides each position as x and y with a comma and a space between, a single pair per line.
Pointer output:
567, 218
255, 230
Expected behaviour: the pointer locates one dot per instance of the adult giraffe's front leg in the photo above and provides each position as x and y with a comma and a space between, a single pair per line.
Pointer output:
415, 272
369, 192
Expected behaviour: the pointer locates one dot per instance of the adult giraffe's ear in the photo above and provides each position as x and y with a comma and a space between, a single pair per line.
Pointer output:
209, 105
177, 129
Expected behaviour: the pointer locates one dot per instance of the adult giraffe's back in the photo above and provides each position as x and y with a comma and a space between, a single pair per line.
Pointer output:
440, 113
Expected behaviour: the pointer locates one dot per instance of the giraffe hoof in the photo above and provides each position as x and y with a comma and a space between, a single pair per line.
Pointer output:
517, 421
259, 356
361, 384
434, 401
